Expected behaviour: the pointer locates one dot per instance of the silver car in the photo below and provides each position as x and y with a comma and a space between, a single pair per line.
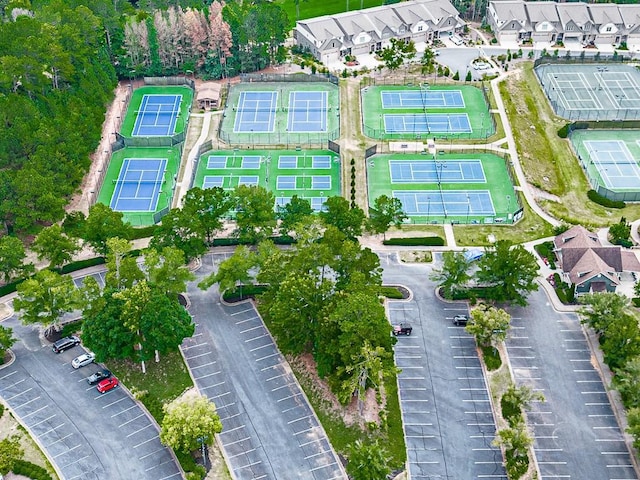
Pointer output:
82, 360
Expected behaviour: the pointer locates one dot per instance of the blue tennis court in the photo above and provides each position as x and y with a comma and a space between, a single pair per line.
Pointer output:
292, 162
157, 116
303, 182
316, 202
422, 99
139, 185
429, 171
229, 181
615, 163
256, 112
307, 111
443, 203
223, 161
427, 123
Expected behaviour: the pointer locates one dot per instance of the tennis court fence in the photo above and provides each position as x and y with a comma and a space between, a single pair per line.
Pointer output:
294, 77
150, 142
271, 139
175, 80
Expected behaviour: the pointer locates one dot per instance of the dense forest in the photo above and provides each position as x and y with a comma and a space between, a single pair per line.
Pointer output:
59, 64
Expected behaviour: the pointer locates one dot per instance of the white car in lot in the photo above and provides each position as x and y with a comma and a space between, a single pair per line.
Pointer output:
83, 360
482, 66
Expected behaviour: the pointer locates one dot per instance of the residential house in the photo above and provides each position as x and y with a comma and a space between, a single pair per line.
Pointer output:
589, 265
570, 23
331, 37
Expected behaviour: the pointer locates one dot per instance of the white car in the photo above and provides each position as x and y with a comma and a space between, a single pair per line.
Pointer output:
83, 360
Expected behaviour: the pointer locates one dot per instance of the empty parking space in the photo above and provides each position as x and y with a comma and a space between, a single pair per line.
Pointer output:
549, 353
269, 430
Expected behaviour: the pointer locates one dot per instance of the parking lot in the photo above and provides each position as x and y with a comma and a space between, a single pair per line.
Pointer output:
576, 433
87, 434
269, 428
448, 421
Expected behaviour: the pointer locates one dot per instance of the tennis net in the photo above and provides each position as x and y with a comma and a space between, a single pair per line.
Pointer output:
616, 161
137, 182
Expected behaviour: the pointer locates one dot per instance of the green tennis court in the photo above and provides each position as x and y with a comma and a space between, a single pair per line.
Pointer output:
157, 111
611, 160
310, 174
126, 187
281, 113
458, 188
415, 112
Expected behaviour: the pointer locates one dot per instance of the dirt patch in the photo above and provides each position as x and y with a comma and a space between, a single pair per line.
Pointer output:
349, 414
415, 257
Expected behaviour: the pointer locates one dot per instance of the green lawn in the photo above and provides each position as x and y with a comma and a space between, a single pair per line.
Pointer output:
315, 8
163, 382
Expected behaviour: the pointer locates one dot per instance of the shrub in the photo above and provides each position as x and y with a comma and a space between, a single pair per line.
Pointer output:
604, 201
491, 358
391, 292
636, 301
415, 241
244, 292
81, 264
143, 232
563, 132
31, 470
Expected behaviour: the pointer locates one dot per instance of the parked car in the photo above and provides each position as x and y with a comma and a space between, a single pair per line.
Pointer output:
460, 320
107, 384
83, 360
98, 376
65, 344
402, 329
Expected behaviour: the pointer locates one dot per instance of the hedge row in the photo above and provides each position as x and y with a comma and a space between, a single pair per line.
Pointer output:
416, 241
31, 470
226, 242
391, 292
604, 201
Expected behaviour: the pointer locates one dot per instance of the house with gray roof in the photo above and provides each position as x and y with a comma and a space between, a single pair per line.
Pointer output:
570, 23
589, 265
331, 37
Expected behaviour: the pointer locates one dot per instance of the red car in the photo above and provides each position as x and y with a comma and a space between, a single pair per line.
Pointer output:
107, 384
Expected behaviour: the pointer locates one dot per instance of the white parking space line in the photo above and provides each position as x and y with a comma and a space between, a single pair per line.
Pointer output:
242, 453
247, 320
261, 347
311, 441
152, 453
241, 311
194, 346
231, 430
317, 454
131, 420
249, 329
158, 465
59, 440
298, 419
196, 356
146, 441
177, 474
8, 375
588, 381
74, 462
287, 385
290, 396
248, 465
67, 451
112, 403
276, 376
601, 415
323, 466
18, 394
139, 430
267, 356
222, 419
222, 395
50, 430
123, 411
212, 386
28, 402
203, 365
34, 412
42, 421
594, 392
605, 428
209, 375
256, 338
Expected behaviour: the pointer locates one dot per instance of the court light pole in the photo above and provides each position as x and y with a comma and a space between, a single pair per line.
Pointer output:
440, 164
321, 201
508, 205
468, 208
428, 207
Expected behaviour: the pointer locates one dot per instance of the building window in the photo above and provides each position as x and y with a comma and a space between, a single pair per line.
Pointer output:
569, 28
513, 25
608, 29
420, 28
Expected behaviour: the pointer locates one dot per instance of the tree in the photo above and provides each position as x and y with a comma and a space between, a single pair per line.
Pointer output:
602, 309
627, 382
395, 55
338, 212
293, 213
488, 325
428, 61
166, 270
255, 217
208, 207
10, 452
54, 245
620, 232
12, 257
366, 369
103, 224
508, 272
181, 231
189, 422
385, 212
232, 271
45, 297
122, 268
621, 341
454, 274
633, 418
516, 442
368, 461
7, 340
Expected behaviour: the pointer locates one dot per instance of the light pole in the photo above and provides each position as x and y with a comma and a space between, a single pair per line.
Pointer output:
321, 201
439, 178
468, 208
508, 206
428, 207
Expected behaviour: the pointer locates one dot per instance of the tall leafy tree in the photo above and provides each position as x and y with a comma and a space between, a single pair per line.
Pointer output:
181, 231
166, 270
232, 270
386, 211
189, 422
255, 216
454, 274
54, 245
509, 272
397, 53
45, 297
488, 325
338, 212
12, 258
627, 382
602, 309
368, 461
122, 269
208, 207
103, 224
293, 213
